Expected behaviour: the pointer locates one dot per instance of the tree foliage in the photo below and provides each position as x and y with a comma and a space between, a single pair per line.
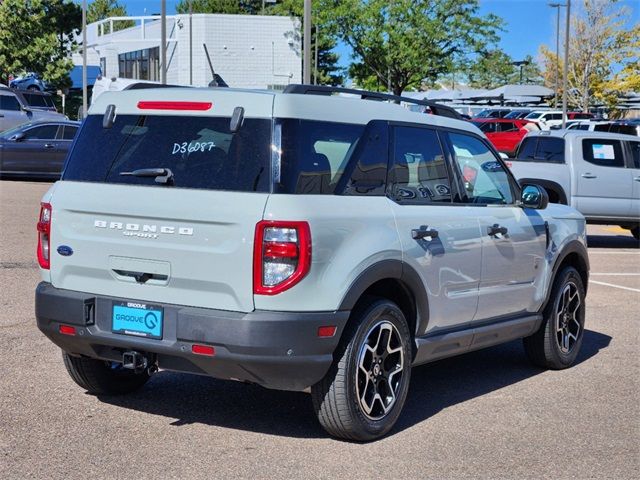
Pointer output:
101, 9
401, 43
603, 55
38, 36
247, 7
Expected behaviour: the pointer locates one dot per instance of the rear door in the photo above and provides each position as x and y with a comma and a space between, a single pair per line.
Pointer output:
185, 242
513, 238
440, 239
604, 186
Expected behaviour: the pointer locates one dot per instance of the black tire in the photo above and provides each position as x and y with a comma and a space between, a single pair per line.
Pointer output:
635, 231
99, 378
552, 345
335, 398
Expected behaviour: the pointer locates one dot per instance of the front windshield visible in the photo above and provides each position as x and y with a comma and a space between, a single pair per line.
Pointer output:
484, 114
514, 114
533, 115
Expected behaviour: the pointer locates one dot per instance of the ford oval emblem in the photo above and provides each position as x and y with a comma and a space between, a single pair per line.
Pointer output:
65, 250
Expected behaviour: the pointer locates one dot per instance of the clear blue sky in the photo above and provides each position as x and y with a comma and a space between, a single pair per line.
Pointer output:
528, 23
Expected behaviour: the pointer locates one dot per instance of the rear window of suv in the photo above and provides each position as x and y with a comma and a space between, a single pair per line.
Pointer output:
201, 152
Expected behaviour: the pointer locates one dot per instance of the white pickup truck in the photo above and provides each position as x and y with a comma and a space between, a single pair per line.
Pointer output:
597, 173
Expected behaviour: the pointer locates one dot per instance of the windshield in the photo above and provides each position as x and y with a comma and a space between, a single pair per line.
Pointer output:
484, 114
514, 114
533, 115
201, 152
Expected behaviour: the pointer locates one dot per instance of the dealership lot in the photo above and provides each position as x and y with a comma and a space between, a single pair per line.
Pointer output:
485, 414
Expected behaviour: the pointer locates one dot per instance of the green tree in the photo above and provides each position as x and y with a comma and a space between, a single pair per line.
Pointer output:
405, 43
492, 69
603, 55
247, 7
328, 68
101, 9
37, 36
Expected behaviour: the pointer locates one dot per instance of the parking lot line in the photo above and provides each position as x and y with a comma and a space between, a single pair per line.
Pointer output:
615, 286
623, 252
616, 274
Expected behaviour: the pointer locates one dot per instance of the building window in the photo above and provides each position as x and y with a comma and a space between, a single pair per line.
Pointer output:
140, 65
103, 65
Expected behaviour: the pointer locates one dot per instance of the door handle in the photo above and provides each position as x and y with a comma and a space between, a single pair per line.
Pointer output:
424, 231
637, 179
49, 145
589, 175
496, 229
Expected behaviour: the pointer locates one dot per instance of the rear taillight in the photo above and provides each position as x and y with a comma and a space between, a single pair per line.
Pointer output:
281, 256
44, 233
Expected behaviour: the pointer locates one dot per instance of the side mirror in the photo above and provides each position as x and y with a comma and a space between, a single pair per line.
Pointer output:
18, 137
504, 156
534, 196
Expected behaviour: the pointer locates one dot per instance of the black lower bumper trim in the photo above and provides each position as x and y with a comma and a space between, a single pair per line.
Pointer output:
279, 350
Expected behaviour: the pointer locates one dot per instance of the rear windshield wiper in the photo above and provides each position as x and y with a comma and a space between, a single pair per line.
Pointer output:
162, 175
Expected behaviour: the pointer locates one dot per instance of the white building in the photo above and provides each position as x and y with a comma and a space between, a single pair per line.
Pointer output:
247, 51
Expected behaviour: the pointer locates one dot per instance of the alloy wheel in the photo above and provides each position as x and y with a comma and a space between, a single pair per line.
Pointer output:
568, 327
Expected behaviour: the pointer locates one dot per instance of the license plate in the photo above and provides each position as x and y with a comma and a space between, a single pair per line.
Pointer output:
139, 319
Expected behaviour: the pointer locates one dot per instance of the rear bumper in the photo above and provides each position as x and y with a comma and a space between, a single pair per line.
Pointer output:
279, 350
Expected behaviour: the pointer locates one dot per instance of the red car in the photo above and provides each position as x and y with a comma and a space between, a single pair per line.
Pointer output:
505, 133
580, 116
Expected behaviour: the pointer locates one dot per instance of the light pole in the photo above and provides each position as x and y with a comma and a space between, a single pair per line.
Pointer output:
520, 64
306, 54
84, 58
163, 39
557, 6
566, 66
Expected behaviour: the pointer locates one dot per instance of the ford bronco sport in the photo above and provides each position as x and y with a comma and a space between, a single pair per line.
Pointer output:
299, 241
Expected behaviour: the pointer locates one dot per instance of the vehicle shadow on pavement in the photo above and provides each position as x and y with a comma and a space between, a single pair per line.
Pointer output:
612, 241
194, 399
442, 384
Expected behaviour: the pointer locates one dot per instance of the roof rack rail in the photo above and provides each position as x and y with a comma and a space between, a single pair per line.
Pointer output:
436, 108
144, 86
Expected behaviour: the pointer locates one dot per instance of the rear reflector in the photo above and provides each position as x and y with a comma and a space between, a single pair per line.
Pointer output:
203, 350
327, 331
167, 105
67, 330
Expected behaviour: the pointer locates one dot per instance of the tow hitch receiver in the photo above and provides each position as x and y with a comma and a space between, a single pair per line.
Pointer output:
135, 361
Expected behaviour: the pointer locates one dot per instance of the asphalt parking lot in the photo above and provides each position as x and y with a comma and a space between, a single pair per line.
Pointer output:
486, 414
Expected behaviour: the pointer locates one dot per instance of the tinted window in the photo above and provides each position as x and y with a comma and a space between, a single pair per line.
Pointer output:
624, 129
606, 153
486, 127
556, 116
35, 100
635, 153
69, 132
366, 172
9, 102
534, 115
200, 151
542, 149
527, 149
419, 172
508, 127
485, 179
315, 155
45, 132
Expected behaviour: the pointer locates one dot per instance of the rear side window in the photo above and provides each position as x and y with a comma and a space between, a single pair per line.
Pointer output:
542, 149
9, 102
419, 172
635, 153
69, 132
45, 132
314, 155
605, 153
508, 127
201, 152
486, 127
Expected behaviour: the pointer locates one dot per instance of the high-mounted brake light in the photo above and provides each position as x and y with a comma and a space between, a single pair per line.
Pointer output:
170, 105
44, 236
281, 256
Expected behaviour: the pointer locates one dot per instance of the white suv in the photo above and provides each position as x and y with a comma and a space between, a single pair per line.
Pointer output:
545, 118
298, 240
